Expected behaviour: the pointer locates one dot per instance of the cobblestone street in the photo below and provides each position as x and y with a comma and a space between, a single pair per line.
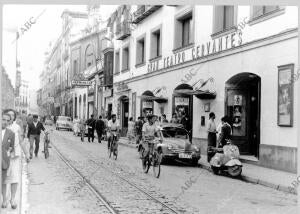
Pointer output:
54, 187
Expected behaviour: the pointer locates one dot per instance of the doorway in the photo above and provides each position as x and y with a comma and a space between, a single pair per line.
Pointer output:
242, 105
124, 115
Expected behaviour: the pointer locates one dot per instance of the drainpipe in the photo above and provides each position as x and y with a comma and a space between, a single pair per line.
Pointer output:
298, 114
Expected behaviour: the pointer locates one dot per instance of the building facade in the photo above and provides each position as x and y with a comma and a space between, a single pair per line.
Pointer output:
22, 101
7, 99
237, 61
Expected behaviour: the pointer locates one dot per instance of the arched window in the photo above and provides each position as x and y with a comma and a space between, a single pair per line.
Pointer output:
89, 56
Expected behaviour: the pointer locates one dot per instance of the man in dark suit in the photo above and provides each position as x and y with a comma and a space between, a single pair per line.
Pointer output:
100, 126
91, 128
8, 143
34, 131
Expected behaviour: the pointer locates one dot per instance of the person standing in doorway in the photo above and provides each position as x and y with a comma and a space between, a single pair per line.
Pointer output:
130, 131
91, 128
34, 131
138, 129
100, 126
212, 134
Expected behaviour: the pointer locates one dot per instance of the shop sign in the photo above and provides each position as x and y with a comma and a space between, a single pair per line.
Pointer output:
107, 93
122, 87
147, 104
81, 83
181, 101
195, 52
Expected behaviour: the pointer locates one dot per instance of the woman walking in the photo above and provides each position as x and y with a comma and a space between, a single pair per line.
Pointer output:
14, 170
212, 134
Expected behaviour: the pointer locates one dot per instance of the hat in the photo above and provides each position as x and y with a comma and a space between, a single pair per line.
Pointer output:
35, 116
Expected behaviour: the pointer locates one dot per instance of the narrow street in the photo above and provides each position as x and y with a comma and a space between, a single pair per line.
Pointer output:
55, 188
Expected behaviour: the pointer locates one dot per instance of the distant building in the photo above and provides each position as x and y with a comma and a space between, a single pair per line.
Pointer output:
8, 99
22, 101
32, 103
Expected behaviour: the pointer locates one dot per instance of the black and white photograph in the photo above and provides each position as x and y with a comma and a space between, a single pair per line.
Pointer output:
170, 107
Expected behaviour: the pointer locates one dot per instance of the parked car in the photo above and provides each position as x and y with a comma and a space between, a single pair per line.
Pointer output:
49, 122
64, 122
176, 144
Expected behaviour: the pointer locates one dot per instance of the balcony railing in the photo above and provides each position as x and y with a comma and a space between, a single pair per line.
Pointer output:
123, 30
144, 11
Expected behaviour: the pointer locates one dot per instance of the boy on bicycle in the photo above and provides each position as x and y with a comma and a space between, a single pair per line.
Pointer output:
112, 126
149, 131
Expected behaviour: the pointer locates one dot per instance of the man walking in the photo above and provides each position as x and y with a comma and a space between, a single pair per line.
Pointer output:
91, 128
34, 131
8, 143
100, 125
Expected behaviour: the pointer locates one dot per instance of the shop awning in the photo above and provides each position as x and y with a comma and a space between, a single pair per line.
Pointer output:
204, 94
186, 89
148, 95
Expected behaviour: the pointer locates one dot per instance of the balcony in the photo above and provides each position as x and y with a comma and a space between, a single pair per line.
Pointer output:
143, 12
123, 30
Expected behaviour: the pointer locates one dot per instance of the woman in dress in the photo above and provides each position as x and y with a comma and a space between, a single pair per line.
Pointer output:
212, 134
130, 132
14, 170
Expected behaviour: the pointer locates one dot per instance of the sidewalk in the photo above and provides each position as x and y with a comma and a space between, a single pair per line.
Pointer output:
275, 179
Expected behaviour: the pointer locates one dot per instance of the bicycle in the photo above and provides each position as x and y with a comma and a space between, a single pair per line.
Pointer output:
152, 157
46, 144
113, 149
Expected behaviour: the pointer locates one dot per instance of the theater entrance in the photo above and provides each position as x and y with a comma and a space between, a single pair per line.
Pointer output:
242, 105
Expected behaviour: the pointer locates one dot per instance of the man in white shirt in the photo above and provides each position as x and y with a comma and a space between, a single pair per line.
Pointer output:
112, 126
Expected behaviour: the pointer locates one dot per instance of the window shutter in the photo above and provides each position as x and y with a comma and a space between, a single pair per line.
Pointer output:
218, 19
269, 9
257, 11
228, 16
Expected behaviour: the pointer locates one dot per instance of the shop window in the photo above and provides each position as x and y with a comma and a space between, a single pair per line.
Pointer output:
184, 33
117, 62
224, 18
125, 59
155, 44
140, 51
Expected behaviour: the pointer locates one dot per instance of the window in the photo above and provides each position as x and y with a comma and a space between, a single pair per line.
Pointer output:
224, 18
155, 44
184, 33
140, 51
125, 59
75, 67
117, 63
258, 11
89, 56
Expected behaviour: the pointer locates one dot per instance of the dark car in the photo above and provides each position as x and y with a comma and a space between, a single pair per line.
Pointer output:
176, 144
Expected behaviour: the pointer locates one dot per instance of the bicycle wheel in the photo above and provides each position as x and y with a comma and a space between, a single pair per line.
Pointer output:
156, 160
111, 149
115, 151
146, 163
46, 151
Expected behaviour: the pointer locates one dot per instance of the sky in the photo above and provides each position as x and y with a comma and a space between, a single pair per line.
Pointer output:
34, 42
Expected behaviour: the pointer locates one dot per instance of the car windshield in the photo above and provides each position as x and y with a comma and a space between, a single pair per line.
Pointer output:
175, 132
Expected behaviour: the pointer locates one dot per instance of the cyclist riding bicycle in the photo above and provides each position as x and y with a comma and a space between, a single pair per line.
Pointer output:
150, 131
113, 127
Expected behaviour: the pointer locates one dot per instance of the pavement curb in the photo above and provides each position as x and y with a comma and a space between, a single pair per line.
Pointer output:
245, 178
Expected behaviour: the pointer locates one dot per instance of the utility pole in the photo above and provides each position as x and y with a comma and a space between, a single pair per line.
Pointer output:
1, 25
